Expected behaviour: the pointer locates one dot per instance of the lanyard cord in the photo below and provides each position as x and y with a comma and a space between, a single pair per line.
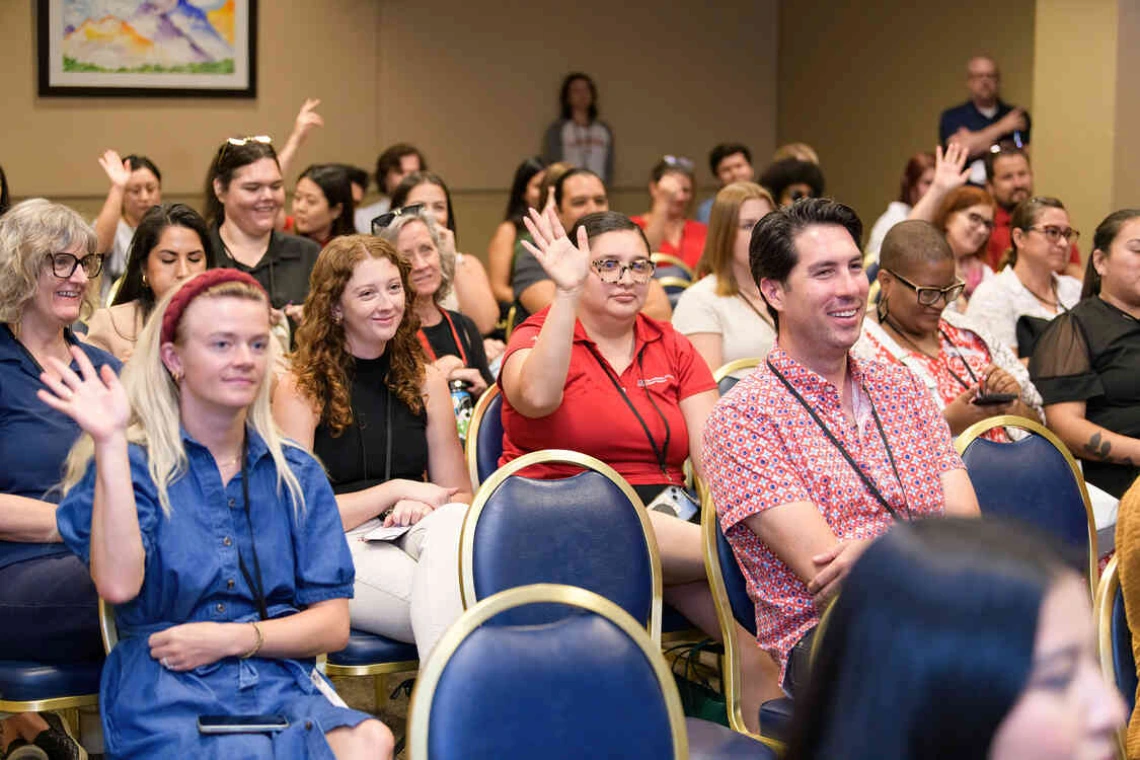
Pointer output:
945, 363
842, 450
662, 453
257, 588
454, 334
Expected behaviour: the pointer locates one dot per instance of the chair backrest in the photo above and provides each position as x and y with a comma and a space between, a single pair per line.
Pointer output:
1114, 635
589, 530
108, 627
725, 374
588, 684
485, 436
512, 320
669, 265
1034, 479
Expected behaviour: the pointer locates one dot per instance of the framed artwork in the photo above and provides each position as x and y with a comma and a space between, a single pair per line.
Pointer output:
147, 48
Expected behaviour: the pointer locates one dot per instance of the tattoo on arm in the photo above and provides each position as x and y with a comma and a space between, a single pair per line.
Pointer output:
1098, 448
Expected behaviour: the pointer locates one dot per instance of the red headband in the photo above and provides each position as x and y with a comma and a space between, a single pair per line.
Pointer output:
193, 288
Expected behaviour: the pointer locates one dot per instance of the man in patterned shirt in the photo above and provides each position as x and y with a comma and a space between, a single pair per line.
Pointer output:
815, 454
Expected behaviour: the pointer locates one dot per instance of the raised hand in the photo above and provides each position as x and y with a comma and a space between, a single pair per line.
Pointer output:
118, 170
950, 171
668, 188
308, 118
96, 401
566, 264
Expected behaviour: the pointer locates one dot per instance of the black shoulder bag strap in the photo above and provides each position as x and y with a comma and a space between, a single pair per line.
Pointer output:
660, 453
843, 450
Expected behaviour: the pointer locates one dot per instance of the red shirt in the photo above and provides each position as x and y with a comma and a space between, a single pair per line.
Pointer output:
692, 241
593, 418
1000, 241
763, 450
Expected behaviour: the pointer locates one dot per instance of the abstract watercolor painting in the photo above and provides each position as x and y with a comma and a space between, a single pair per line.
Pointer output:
198, 48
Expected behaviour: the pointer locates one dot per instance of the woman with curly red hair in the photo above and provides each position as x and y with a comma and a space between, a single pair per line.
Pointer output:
363, 397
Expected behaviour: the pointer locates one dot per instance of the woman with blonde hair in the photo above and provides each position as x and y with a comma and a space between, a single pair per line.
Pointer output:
363, 397
722, 314
181, 476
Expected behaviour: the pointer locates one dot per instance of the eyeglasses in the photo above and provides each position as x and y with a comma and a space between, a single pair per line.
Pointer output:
237, 142
978, 219
610, 271
1054, 234
679, 161
928, 296
386, 219
63, 265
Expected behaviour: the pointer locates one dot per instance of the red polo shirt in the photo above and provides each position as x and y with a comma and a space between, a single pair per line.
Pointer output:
999, 241
593, 418
692, 241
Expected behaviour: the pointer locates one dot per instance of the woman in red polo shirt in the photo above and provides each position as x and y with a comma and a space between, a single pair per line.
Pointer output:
593, 374
667, 229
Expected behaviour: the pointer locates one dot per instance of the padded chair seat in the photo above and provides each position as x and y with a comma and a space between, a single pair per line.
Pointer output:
712, 741
22, 681
776, 719
370, 648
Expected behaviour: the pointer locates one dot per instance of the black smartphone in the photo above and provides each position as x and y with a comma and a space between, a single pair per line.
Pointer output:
241, 724
995, 399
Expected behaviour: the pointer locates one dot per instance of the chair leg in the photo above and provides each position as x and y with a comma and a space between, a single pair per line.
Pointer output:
380, 683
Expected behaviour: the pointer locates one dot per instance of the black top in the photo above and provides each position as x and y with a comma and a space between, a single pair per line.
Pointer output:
355, 459
284, 269
442, 342
1092, 354
967, 115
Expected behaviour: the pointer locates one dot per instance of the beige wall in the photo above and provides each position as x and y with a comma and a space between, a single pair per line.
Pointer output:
864, 83
473, 84
1126, 158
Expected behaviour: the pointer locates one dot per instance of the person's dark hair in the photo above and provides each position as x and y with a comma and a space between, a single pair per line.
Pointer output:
910, 242
516, 203
414, 180
912, 173
929, 613
564, 94
1004, 149
601, 222
772, 251
227, 160
5, 199
1024, 216
1106, 232
356, 175
390, 159
723, 151
153, 223
672, 165
791, 171
142, 162
560, 183
333, 181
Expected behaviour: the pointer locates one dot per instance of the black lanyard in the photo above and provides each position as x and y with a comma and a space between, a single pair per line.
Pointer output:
843, 450
662, 453
945, 362
257, 588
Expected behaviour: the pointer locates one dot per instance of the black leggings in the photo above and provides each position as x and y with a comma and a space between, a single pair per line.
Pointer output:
50, 611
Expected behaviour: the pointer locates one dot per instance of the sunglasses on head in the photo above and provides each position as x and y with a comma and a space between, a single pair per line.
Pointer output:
679, 161
386, 219
238, 142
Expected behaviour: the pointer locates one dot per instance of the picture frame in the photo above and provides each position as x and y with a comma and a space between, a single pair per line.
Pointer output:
147, 48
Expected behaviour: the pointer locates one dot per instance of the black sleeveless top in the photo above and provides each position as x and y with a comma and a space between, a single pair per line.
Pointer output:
355, 459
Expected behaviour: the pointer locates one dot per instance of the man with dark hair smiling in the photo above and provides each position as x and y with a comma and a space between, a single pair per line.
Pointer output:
815, 454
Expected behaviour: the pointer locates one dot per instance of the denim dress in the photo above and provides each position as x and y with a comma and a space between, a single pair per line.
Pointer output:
192, 574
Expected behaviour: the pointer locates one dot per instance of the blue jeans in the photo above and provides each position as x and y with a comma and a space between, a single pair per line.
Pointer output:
50, 611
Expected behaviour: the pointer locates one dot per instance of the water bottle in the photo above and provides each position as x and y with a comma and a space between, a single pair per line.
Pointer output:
463, 404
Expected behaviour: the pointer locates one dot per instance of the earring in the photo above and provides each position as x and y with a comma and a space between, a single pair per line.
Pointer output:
145, 284
177, 375
881, 309
337, 318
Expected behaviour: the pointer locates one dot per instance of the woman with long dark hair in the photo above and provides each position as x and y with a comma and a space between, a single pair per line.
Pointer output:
958, 638
578, 136
501, 252
171, 244
322, 204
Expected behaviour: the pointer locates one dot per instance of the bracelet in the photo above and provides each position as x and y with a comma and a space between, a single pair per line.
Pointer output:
257, 646
384, 515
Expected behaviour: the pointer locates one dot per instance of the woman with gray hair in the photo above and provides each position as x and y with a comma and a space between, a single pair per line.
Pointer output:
451, 340
47, 601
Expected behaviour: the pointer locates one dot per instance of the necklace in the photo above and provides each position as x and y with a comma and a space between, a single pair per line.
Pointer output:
765, 318
1054, 304
943, 360
898, 331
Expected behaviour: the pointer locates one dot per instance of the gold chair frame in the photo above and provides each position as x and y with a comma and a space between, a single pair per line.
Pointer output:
669, 259
724, 370
473, 426
559, 456
674, 282
978, 429
419, 710
1102, 607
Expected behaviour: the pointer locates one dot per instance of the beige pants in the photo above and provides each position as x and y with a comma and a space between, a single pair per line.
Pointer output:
408, 589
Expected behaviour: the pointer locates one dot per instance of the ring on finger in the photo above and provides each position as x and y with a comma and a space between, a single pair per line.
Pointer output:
165, 663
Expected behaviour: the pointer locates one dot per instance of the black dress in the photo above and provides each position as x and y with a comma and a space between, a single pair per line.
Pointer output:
1092, 354
441, 341
357, 458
